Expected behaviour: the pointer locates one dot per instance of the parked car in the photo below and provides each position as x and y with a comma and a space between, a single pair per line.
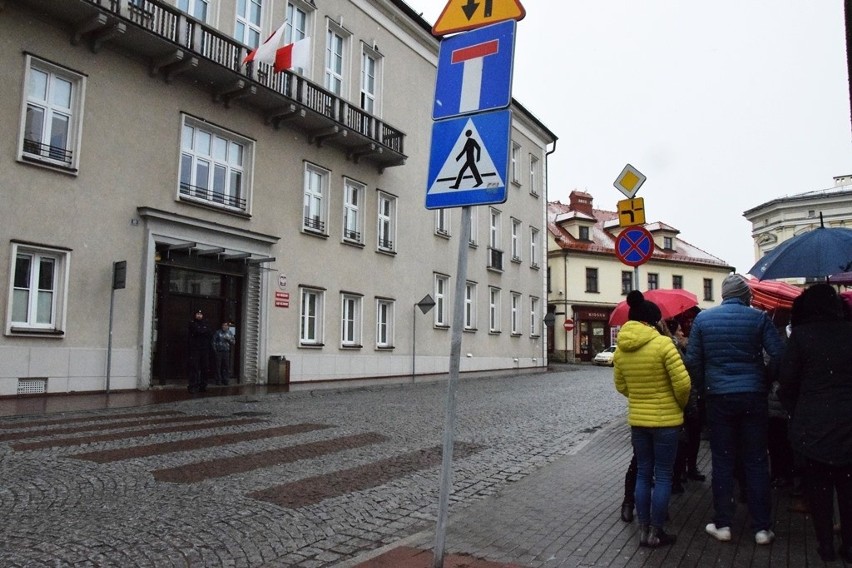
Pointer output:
605, 357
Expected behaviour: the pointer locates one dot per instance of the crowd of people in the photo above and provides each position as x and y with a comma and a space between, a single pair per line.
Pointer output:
775, 405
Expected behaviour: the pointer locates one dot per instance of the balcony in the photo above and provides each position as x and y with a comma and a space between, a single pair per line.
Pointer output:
176, 44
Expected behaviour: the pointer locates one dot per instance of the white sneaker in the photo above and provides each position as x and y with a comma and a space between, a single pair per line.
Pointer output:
764, 537
722, 534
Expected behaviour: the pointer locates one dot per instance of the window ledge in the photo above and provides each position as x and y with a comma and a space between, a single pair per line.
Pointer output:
386, 252
470, 330
31, 332
516, 259
441, 326
535, 267
517, 335
37, 161
355, 244
311, 345
494, 332
385, 348
351, 347
314, 233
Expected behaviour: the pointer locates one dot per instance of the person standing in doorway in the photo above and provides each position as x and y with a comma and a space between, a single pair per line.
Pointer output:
200, 346
222, 341
471, 153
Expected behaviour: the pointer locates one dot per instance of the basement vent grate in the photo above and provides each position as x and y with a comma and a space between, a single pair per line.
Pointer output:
32, 386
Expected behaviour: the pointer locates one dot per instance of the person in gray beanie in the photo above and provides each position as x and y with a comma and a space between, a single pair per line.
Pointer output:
726, 357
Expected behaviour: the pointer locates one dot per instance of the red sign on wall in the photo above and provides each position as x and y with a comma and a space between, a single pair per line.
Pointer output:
282, 299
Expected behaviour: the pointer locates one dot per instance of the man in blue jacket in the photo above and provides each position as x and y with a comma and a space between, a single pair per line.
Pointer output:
726, 356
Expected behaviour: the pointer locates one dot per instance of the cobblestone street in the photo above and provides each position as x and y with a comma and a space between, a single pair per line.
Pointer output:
302, 479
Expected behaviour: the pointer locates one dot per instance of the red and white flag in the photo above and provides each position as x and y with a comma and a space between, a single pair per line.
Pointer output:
266, 52
293, 55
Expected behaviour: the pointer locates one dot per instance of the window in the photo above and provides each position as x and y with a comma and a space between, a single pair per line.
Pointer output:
247, 29
296, 27
677, 282
53, 113
387, 222
626, 282
196, 8
335, 56
534, 325
584, 234
213, 166
708, 289
474, 227
533, 175
592, 280
316, 197
534, 248
350, 321
353, 195
515, 314
470, 306
442, 222
371, 65
442, 300
516, 164
494, 309
516, 240
384, 323
668, 243
653, 281
310, 317
39, 288
495, 254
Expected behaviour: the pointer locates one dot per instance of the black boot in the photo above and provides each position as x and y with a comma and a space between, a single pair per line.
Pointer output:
644, 530
658, 537
627, 512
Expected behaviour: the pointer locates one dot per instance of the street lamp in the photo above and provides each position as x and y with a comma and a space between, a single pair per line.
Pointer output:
426, 304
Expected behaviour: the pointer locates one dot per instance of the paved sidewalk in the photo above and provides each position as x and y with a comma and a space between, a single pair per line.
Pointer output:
567, 514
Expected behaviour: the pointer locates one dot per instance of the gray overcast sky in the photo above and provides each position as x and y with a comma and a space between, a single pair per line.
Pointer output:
723, 105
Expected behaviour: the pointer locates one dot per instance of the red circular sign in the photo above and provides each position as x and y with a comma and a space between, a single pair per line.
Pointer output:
568, 325
634, 246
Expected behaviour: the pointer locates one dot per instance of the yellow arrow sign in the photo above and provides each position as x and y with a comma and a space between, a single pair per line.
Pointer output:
631, 212
464, 15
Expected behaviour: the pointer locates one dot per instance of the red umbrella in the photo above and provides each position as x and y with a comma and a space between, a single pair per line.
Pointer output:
671, 303
847, 297
772, 294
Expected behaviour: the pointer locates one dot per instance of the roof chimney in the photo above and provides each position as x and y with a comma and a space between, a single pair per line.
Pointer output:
581, 202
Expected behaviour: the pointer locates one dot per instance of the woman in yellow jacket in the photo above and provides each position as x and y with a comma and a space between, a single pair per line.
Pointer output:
649, 371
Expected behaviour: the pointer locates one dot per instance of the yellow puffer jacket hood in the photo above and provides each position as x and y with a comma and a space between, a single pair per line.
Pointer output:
649, 371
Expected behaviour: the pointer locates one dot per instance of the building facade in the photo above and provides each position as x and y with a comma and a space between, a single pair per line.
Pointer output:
586, 280
780, 219
290, 204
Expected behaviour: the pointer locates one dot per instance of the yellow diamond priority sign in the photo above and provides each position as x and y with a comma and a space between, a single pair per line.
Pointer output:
464, 15
629, 181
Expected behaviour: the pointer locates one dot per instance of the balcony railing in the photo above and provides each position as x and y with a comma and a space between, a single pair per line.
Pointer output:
56, 153
495, 259
213, 197
373, 137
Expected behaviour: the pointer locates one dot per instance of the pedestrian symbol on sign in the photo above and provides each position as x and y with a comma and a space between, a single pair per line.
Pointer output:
468, 166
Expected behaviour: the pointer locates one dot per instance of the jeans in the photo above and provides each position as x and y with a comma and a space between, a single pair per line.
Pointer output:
738, 429
655, 450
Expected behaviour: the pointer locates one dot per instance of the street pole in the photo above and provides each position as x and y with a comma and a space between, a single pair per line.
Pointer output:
109, 341
413, 340
450, 416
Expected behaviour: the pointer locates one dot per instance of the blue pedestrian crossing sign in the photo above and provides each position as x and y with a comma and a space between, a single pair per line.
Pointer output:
475, 71
469, 160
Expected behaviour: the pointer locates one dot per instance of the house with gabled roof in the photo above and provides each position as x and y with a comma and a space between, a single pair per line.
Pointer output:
586, 280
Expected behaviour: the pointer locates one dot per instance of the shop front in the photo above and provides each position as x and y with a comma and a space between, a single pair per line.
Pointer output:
592, 334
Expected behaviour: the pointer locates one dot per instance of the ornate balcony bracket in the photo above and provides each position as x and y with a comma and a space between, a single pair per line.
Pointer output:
236, 90
99, 29
172, 64
94, 23
319, 136
277, 117
355, 153
102, 36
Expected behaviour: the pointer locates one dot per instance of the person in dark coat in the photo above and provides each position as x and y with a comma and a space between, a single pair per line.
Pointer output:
816, 388
199, 352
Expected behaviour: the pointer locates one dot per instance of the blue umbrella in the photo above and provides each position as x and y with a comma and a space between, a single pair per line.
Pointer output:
815, 254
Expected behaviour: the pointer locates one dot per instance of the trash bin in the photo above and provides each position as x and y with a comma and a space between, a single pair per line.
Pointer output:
278, 370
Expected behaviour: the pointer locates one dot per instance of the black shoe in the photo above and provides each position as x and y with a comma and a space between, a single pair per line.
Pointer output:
658, 537
677, 488
695, 475
627, 512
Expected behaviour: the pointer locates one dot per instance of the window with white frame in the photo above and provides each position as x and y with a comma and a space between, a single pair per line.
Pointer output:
470, 306
534, 175
196, 8
350, 320
316, 199
353, 195
214, 165
534, 247
296, 25
247, 28
442, 222
386, 222
442, 300
494, 229
493, 309
534, 320
310, 316
52, 115
472, 239
516, 163
335, 58
384, 323
515, 314
516, 240
371, 67
39, 289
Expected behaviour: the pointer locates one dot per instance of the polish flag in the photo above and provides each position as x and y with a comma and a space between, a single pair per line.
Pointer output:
293, 55
266, 52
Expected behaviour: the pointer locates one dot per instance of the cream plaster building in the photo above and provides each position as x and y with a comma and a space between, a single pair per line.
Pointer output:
290, 204
777, 220
586, 280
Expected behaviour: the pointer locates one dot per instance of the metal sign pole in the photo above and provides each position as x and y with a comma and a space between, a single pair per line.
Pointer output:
450, 416
413, 340
109, 341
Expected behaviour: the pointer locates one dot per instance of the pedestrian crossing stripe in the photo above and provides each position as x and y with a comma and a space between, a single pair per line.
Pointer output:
469, 160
